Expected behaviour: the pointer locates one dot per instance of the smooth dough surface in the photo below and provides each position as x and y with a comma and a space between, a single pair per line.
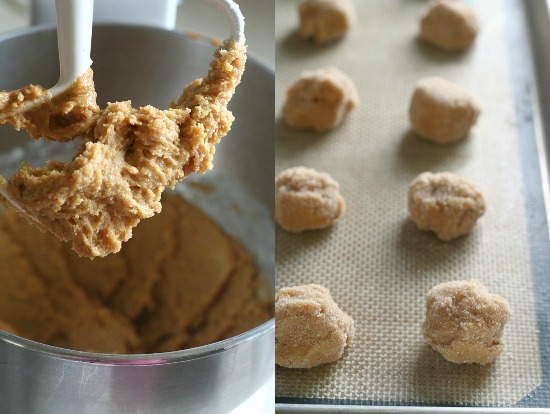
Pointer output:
326, 20
195, 292
445, 203
320, 99
310, 328
450, 25
306, 199
464, 322
442, 111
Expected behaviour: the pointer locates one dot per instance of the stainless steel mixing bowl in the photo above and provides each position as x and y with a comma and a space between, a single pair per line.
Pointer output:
148, 66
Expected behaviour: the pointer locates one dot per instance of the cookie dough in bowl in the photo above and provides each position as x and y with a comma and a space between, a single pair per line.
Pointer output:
145, 299
445, 203
310, 328
306, 199
464, 322
128, 158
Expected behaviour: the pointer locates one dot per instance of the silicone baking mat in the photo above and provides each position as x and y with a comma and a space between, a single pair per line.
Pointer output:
377, 265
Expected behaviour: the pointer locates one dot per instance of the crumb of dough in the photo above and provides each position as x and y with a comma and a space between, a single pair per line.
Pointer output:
310, 328
319, 99
445, 203
464, 322
127, 160
450, 25
442, 111
326, 20
306, 199
44, 299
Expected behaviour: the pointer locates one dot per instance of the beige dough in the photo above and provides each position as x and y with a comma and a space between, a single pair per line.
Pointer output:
306, 199
50, 295
442, 111
8, 328
310, 328
319, 99
450, 25
128, 158
464, 322
445, 203
326, 20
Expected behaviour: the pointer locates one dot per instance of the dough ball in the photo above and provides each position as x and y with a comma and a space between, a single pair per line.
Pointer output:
310, 328
445, 203
326, 20
320, 99
442, 111
306, 199
464, 322
449, 25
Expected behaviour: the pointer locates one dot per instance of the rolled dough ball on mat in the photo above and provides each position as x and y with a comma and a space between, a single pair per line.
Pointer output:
442, 111
306, 199
319, 99
450, 25
464, 322
310, 328
445, 203
326, 20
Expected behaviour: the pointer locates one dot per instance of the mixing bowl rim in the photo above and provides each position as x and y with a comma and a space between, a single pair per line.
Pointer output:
160, 358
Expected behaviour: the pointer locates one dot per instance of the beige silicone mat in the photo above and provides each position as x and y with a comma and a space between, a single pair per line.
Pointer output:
377, 265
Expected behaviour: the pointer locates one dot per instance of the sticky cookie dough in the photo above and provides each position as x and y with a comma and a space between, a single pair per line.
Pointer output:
319, 99
306, 199
464, 322
445, 203
442, 111
310, 328
326, 20
50, 295
449, 25
128, 157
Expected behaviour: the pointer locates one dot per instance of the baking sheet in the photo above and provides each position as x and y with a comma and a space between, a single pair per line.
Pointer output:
377, 265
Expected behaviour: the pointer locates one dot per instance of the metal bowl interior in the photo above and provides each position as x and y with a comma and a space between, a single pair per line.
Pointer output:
150, 66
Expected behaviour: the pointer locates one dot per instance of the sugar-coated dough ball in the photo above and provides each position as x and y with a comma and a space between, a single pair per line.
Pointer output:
442, 111
449, 24
326, 20
319, 99
306, 199
445, 203
464, 322
4, 326
310, 328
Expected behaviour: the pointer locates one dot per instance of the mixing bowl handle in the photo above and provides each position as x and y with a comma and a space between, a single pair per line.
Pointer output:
158, 13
